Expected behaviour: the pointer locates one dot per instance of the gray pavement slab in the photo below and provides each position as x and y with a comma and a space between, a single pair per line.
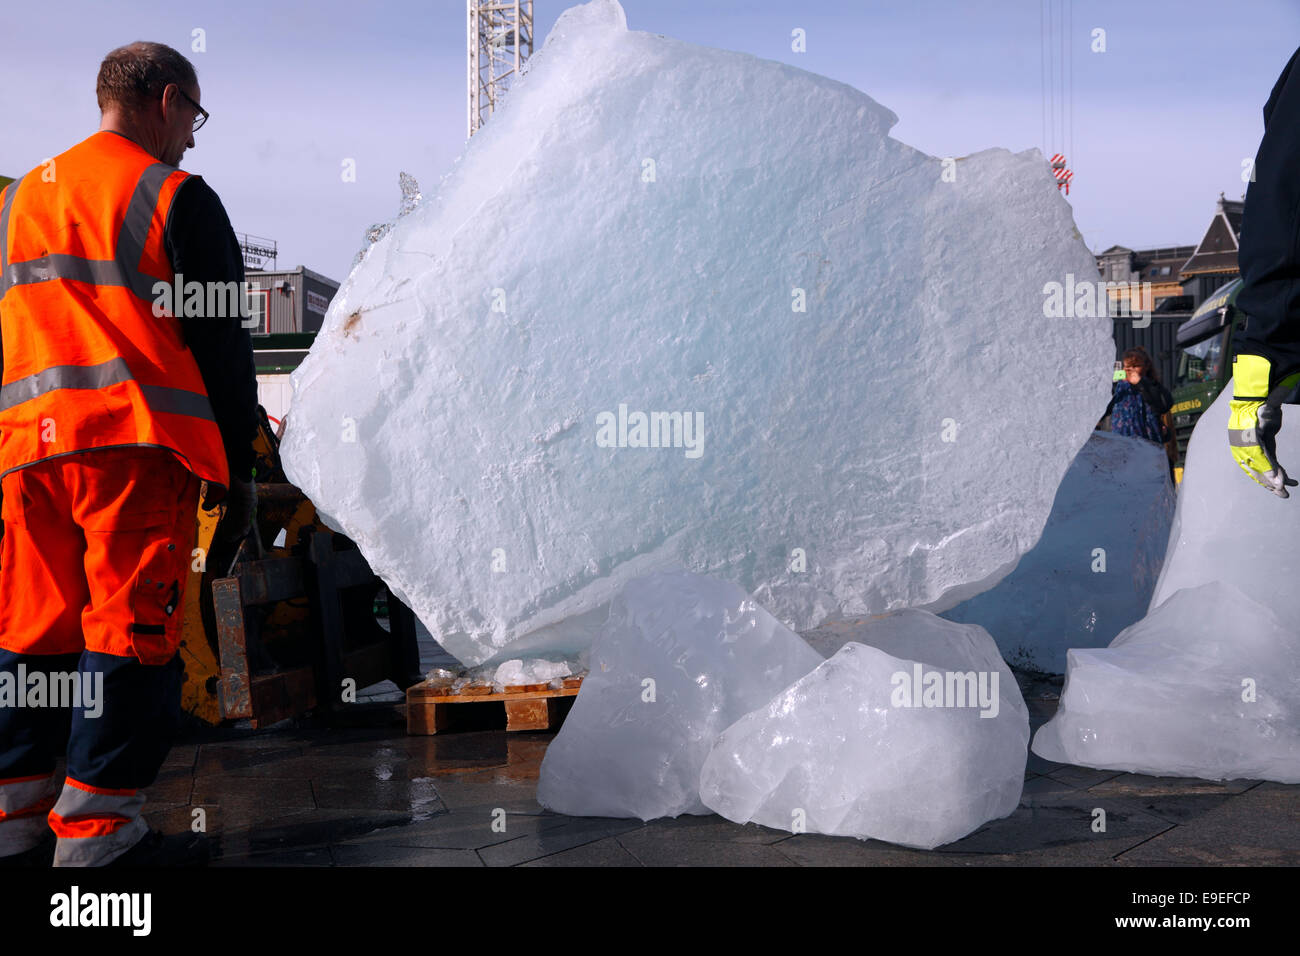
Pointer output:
673, 848
172, 786
464, 830
576, 832
713, 829
817, 849
1259, 827
419, 796
252, 795
299, 830
606, 852
1081, 777
1066, 828
319, 856
1142, 785
350, 854
1038, 765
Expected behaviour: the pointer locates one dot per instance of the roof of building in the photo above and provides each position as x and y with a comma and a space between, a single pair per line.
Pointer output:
1217, 250
299, 270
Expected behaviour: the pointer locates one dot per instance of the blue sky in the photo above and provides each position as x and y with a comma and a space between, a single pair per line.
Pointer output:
1161, 121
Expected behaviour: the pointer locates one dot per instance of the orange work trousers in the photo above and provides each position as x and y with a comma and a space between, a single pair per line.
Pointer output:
96, 550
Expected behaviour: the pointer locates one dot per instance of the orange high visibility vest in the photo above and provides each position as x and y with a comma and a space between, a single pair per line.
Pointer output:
87, 364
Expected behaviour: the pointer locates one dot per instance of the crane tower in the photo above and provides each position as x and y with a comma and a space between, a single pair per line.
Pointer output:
500, 39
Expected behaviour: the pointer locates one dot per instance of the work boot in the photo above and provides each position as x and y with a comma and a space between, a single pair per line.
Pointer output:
40, 856
177, 849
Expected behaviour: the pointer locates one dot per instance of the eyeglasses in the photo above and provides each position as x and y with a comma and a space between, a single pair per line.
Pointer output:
203, 114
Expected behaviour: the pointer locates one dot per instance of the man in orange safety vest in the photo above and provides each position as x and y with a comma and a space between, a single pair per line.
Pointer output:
114, 408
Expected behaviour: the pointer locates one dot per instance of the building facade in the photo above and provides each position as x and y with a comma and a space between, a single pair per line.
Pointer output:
1169, 282
1155, 273
288, 300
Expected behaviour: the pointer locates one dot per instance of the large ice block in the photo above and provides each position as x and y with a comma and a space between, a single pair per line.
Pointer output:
1206, 685
1093, 571
681, 657
918, 738
677, 306
1227, 528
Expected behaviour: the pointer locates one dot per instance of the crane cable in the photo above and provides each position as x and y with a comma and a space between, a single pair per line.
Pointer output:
1056, 76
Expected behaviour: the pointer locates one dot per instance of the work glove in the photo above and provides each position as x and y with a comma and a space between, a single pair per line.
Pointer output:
1254, 419
241, 504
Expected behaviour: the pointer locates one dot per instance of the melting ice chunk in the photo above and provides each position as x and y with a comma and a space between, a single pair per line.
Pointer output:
1206, 685
681, 657
917, 740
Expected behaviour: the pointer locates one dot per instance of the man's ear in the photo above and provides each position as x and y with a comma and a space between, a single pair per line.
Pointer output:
170, 98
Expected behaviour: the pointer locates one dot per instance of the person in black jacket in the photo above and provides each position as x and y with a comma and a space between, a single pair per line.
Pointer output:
202, 246
1267, 367
1139, 407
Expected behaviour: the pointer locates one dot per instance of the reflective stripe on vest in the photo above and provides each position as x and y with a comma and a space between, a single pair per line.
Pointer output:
5, 205
176, 401
121, 270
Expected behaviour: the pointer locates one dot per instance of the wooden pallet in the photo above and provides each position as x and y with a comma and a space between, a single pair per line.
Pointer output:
528, 706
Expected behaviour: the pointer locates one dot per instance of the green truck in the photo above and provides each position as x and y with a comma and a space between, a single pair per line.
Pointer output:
1205, 344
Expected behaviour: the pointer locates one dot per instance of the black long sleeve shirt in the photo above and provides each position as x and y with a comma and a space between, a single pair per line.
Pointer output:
1269, 250
202, 247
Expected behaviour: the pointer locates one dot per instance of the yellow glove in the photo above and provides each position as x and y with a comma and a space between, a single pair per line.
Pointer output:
1254, 419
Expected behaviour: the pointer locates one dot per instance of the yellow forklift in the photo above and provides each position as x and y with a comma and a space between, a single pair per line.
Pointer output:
287, 620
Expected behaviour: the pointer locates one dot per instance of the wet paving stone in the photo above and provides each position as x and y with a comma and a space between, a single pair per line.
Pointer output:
1038, 765
606, 852
380, 855
575, 832
231, 759
677, 849
303, 829
711, 829
1082, 777
181, 757
465, 830
419, 796
1065, 827
171, 787
253, 794
1141, 785
320, 856
815, 849
1259, 827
